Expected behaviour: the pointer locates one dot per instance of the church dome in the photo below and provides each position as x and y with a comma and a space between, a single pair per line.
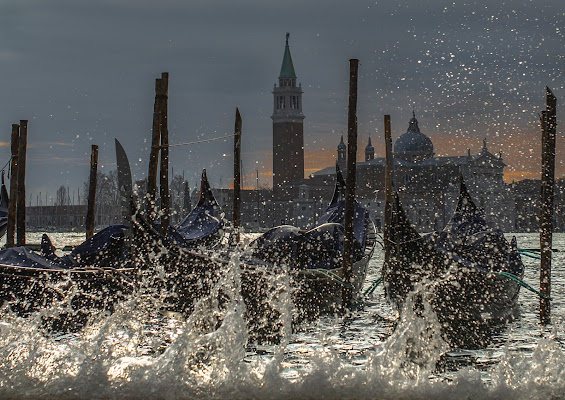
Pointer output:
414, 143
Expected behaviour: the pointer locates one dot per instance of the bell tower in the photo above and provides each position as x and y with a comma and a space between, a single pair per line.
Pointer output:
288, 132
342, 155
369, 151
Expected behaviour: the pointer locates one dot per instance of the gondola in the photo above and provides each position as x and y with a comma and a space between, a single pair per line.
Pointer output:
462, 270
116, 263
312, 261
89, 281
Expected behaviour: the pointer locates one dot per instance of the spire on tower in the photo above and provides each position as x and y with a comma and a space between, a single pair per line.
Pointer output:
341, 145
369, 151
287, 68
342, 154
413, 126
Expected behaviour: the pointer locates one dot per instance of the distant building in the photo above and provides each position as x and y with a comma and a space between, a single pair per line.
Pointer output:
427, 185
68, 217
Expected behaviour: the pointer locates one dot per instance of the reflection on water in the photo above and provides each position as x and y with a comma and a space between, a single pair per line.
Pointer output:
138, 352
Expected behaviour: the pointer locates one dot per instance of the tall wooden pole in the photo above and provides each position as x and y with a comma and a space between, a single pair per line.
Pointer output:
164, 170
12, 205
349, 214
548, 127
237, 175
92, 182
21, 207
387, 223
151, 196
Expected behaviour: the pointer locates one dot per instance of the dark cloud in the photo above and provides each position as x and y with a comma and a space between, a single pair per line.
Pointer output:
83, 73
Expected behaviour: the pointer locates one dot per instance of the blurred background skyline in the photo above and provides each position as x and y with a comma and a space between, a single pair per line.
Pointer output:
84, 72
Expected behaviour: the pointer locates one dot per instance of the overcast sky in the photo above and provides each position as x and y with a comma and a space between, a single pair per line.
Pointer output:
83, 72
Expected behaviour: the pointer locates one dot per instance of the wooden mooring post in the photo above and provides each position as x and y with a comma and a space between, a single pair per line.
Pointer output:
387, 220
237, 176
349, 214
151, 196
21, 206
548, 122
92, 182
164, 170
12, 205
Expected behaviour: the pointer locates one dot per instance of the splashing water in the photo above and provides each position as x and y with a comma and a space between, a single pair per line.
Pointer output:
139, 352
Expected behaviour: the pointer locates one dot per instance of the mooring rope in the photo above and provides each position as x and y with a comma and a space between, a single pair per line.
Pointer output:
199, 141
373, 286
529, 255
360, 301
529, 250
332, 276
521, 283
7, 165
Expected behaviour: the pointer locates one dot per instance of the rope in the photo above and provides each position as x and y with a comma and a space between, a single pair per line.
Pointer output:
199, 141
381, 241
521, 283
373, 286
360, 301
529, 255
332, 276
6, 165
529, 250
536, 251
108, 272
499, 273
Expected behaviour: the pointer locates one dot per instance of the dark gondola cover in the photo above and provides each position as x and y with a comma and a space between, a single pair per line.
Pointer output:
313, 260
205, 225
320, 246
458, 267
107, 268
104, 270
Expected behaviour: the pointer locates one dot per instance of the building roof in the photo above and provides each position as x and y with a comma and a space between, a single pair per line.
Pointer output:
430, 162
287, 68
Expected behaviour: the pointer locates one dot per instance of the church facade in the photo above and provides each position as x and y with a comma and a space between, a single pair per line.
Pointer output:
427, 185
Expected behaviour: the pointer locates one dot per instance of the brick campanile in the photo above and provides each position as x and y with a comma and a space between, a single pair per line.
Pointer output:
288, 132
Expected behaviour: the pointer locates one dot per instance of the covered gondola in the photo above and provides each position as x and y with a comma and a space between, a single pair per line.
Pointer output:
462, 270
116, 263
312, 260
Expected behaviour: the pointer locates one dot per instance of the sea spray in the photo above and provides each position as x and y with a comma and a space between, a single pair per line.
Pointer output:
410, 354
130, 354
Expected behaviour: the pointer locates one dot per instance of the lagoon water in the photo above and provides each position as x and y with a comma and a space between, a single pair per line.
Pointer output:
136, 353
